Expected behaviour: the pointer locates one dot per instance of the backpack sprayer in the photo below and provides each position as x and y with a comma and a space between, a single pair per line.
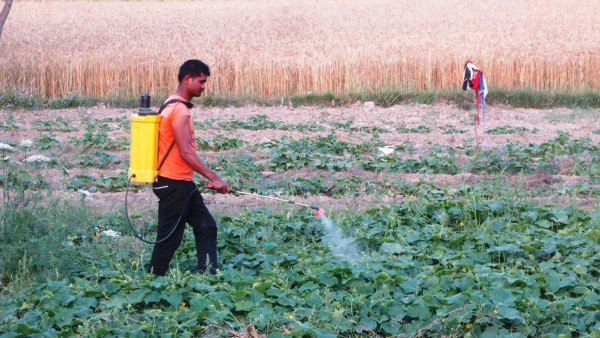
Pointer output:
143, 155
143, 152
143, 159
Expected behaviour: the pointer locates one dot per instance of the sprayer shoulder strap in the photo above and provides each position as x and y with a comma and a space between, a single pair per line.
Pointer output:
162, 107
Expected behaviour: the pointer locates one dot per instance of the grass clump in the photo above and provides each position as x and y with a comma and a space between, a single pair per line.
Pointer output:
40, 240
41, 236
19, 100
522, 98
32, 101
527, 98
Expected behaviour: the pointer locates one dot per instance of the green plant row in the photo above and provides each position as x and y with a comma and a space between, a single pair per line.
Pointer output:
330, 154
387, 97
450, 263
326, 154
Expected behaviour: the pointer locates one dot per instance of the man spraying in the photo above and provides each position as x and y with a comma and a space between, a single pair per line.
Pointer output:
180, 201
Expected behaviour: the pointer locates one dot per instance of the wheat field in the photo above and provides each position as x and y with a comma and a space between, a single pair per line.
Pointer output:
270, 48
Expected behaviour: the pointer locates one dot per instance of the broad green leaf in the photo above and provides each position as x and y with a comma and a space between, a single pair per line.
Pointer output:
502, 296
496, 206
566, 281
157, 283
260, 314
64, 298
397, 312
286, 301
87, 302
458, 298
510, 248
115, 302
549, 248
322, 333
199, 303
420, 311
494, 332
560, 216
262, 286
553, 281
391, 327
220, 315
244, 305
409, 286
368, 323
308, 286
153, 297
375, 231
301, 333
458, 241
464, 283
530, 215
64, 317
594, 234
446, 281
412, 237
544, 224
392, 248
315, 299
497, 226
174, 297
328, 280
505, 312
100, 331
275, 292
137, 296
23, 328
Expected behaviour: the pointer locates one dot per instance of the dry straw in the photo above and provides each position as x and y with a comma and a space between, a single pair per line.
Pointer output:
272, 48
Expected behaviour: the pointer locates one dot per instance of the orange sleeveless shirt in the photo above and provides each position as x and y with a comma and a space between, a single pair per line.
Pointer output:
174, 167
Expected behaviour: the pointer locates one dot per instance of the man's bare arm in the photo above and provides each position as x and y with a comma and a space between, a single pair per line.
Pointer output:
183, 139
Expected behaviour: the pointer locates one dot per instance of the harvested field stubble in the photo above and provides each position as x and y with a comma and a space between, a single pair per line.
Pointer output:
271, 48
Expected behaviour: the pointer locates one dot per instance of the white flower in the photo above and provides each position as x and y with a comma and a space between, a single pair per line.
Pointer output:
37, 158
111, 233
11, 161
4, 146
26, 143
369, 105
85, 193
385, 151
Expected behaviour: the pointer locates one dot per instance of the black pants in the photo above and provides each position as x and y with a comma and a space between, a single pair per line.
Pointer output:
181, 199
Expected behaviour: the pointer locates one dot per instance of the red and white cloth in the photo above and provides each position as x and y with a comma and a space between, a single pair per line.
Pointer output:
473, 79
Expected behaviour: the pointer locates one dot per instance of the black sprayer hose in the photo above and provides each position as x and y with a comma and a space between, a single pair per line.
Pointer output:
136, 234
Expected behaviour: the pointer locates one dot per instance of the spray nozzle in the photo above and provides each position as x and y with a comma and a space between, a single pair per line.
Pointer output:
320, 212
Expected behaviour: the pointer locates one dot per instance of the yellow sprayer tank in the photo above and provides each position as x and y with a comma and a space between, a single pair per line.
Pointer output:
143, 149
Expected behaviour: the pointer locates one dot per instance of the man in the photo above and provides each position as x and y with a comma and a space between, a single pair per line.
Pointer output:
180, 201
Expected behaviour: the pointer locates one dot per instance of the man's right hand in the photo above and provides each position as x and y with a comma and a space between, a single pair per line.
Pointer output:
219, 185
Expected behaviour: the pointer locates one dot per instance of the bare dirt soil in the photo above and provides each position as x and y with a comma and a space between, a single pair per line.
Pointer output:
447, 124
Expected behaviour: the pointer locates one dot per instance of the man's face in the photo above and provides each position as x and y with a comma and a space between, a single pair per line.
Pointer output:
196, 85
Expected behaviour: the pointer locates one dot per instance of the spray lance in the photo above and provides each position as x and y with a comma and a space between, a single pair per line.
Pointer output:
143, 161
320, 211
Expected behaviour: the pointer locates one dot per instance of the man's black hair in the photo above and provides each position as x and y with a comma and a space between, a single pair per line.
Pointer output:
193, 68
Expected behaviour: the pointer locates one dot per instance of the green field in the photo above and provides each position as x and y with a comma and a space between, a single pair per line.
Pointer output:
441, 237
433, 226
